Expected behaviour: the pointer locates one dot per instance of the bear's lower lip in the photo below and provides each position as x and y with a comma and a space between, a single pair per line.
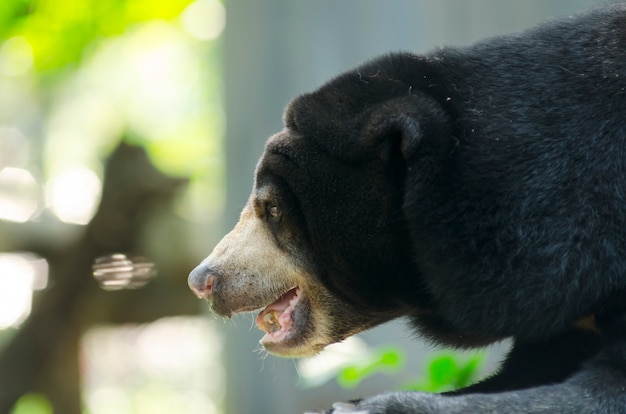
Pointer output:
276, 318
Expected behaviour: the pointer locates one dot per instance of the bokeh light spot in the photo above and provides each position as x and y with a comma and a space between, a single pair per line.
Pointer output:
204, 19
16, 56
74, 195
19, 195
20, 273
117, 271
173, 365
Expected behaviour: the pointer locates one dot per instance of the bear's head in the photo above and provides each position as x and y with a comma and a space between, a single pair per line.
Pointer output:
322, 248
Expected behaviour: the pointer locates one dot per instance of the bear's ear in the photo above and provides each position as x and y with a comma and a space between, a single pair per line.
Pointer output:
410, 125
388, 133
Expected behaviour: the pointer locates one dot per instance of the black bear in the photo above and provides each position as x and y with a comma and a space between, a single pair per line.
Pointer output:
480, 192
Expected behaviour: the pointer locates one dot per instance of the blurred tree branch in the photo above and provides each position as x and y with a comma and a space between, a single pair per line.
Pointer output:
43, 355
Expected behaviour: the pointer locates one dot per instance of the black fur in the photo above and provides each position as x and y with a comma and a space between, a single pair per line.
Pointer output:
482, 192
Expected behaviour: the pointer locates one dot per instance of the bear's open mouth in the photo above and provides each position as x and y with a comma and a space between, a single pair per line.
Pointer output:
276, 318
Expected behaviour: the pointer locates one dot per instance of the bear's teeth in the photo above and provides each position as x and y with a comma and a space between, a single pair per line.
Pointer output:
270, 322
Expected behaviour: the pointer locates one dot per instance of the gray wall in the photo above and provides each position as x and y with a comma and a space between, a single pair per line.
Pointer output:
277, 49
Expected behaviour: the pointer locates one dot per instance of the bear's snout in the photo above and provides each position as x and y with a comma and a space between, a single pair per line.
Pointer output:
201, 281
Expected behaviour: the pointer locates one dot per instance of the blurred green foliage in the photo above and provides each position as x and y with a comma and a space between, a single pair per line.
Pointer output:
444, 372
84, 74
386, 359
447, 372
60, 31
32, 403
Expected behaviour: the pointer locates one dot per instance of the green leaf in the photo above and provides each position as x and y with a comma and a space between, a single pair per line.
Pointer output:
384, 360
447, 372
392, 358
350, 376
443, 370
467, 374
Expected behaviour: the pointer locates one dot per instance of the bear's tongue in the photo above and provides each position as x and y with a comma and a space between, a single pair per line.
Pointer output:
275, 319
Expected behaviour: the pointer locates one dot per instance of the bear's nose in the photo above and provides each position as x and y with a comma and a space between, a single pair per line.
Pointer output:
201, 281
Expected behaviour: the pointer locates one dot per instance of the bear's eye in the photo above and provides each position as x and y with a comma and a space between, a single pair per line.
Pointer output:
274, 211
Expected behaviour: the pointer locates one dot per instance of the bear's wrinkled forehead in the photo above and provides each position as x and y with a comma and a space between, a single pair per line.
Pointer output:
280, 151
345, 97
276, 166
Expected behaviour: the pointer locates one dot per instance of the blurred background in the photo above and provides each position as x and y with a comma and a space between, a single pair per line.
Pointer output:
129, 132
